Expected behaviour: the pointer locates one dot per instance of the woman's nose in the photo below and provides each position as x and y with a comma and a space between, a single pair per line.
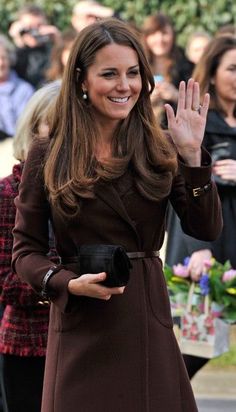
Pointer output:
123, 83
158, 35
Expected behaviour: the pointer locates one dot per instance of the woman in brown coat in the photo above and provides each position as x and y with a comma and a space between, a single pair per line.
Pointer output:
105, 176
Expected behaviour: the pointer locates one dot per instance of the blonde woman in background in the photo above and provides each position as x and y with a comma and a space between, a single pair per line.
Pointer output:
23, 330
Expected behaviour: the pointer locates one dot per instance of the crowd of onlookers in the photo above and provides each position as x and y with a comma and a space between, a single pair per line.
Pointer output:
35, 52
32, 60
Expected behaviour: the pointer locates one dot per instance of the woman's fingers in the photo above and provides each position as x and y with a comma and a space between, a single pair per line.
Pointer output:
170, 115
181, 97
189, 95
96, 277
197, 263
112, 291
102, 292
90, 285
195, 105
205, 105
226, 169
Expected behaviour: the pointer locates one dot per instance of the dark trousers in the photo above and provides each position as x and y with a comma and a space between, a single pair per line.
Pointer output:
22, 381
194, 364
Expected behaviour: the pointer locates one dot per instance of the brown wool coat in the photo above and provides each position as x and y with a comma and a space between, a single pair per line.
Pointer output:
119, 355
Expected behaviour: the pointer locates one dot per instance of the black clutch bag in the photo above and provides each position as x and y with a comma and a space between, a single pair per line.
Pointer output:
111, 259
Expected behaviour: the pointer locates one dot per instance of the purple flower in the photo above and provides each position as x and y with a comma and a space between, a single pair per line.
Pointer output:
204, 284
186, 261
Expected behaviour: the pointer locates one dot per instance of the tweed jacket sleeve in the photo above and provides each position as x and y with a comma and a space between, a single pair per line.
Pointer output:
8, 191
14, 291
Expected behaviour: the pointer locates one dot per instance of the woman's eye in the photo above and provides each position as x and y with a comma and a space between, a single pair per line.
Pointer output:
108, 74
133, 73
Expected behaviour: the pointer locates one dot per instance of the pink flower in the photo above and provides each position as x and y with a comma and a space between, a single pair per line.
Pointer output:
229, 275
180, 270
208, 263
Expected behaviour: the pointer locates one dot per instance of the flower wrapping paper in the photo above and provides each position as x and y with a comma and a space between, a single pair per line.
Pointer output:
203, 335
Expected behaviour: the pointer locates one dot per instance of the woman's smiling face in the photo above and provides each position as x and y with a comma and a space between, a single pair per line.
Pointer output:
225, 77
113, 83
161, 41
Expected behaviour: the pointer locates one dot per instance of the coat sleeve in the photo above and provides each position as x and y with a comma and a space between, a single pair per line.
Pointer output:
30, 258
200, 216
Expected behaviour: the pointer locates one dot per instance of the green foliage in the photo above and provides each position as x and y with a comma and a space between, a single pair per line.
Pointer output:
187, 15
228, 359
223, 293
58, 12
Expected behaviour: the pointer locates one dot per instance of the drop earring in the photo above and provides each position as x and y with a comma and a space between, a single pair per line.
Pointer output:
85, 95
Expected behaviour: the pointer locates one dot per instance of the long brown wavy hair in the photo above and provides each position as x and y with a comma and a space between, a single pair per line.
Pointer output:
71, 169
207, 66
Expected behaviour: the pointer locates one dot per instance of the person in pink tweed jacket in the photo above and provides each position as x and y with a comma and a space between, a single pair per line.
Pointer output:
24, 325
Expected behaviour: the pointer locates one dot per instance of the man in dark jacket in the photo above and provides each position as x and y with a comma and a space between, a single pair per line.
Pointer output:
33, 38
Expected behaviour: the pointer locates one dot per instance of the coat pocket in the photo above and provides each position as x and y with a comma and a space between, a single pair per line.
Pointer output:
63, 322
158, 294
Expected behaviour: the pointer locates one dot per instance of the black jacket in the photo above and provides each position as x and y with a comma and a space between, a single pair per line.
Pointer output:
32, 62
220, 141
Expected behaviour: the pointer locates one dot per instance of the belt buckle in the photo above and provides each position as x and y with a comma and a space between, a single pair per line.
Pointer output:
197, 191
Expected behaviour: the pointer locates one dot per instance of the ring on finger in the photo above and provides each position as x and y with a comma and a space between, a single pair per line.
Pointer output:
197, 109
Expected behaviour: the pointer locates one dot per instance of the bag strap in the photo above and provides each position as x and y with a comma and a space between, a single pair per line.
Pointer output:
190, 297
190, 300
206, 305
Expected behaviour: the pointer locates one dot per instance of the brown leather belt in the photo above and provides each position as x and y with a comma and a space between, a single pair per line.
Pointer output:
140, 255
132, 255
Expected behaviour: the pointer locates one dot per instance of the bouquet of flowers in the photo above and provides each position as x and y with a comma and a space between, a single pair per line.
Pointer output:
218, 281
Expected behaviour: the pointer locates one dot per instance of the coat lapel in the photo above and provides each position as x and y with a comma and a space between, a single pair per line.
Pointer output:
106, 192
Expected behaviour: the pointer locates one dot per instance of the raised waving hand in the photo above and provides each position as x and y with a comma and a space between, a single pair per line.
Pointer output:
187, 126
